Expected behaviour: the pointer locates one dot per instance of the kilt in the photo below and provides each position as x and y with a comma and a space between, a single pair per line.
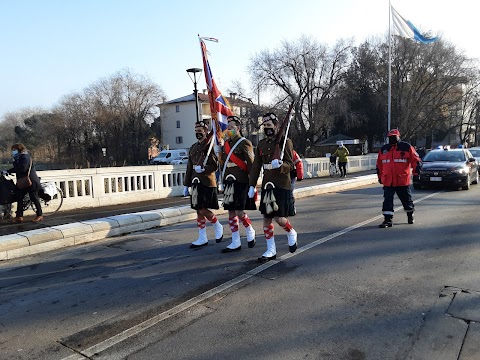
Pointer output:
207, 197
241, 201
284, 200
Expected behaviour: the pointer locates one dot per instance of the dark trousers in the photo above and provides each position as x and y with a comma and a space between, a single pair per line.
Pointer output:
403, 193
20, 194
343, 168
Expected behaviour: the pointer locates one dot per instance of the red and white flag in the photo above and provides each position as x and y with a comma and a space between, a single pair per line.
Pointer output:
219, 106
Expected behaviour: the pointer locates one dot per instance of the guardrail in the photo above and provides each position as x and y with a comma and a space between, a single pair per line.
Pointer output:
119, 185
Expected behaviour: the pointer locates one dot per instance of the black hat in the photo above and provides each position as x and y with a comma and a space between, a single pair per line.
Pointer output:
234, 118
270, 117
201, 124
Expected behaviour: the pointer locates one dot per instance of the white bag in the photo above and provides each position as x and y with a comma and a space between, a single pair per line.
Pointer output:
50, 189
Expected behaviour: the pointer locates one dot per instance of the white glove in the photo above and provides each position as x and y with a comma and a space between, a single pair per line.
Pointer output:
276, 163
199, 169
251, 192
217, 149
185, 191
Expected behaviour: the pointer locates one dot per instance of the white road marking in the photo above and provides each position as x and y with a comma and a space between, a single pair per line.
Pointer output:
124, 335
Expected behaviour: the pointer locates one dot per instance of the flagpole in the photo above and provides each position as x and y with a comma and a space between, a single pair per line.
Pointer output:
389, 110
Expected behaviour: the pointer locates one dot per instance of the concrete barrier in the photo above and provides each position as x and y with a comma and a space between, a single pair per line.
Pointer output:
92, 188
56, 237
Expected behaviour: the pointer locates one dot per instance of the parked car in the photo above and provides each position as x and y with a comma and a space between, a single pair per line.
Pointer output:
448, 167
475, 151
182, 160
167, 156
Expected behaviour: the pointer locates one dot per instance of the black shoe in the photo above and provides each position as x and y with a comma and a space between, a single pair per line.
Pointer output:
385, 224
265, 259
292, 248
194, 246
219, 240
410, 217
228, 250
252, 243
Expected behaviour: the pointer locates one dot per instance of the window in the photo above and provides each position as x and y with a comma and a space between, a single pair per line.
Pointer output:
179, 140
177, 108
178, 124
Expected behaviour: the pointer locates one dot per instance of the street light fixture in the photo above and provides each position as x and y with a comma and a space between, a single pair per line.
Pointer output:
194, 71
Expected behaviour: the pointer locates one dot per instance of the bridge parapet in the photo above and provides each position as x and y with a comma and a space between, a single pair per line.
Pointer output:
119, 185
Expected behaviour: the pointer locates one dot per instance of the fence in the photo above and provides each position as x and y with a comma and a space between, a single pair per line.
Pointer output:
119, 185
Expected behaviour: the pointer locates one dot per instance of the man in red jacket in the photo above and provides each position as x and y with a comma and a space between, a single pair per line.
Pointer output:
394, 169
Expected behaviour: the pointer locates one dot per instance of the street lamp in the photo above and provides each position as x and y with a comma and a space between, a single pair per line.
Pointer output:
194, 71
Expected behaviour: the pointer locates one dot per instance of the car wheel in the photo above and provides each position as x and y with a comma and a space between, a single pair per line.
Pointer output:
475, 181
467, 185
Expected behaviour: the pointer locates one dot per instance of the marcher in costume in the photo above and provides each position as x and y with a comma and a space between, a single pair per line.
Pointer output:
394, 169
276, 200
200, 176
237, 155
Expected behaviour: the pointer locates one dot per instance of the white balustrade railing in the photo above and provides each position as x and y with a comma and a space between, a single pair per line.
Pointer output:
120, 185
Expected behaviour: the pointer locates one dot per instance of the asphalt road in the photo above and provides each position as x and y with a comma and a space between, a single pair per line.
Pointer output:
352, 291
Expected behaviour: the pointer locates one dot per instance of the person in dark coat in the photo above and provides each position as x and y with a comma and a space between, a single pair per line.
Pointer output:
22, 162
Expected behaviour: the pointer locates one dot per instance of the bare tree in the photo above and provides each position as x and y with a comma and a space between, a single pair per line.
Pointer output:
75, 129
361, 103
426, 85
308, 72
125, 105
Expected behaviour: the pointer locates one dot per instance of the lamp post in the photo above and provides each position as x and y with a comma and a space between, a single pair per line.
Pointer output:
194, 71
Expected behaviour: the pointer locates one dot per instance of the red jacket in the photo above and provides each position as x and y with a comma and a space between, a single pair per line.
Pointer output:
395, 164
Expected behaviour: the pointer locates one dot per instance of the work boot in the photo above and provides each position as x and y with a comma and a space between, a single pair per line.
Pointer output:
410, 217
387, 222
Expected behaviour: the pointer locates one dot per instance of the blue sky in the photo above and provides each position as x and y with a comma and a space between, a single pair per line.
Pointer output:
55, 47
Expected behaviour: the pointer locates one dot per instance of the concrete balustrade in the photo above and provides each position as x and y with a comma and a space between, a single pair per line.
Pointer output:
83, 188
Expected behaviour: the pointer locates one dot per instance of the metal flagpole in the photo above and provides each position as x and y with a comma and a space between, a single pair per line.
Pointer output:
389, 110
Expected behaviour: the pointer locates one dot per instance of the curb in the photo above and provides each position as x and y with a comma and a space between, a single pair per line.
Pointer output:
32, 242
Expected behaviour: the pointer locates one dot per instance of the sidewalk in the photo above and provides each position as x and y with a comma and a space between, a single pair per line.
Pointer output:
85, 225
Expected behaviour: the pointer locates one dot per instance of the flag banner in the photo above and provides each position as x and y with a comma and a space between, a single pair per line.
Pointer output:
209, 39
406, 29
219, 106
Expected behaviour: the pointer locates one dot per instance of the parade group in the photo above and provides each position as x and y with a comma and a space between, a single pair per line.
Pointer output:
239, 175
241, 166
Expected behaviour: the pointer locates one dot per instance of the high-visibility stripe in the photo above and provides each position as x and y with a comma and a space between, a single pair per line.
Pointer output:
385, 161
400, 160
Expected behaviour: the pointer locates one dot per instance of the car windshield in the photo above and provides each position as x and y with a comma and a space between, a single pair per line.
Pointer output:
475, 152
445, 155
162, 155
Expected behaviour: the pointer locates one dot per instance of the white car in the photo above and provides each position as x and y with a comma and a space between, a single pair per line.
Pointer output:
182, 160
